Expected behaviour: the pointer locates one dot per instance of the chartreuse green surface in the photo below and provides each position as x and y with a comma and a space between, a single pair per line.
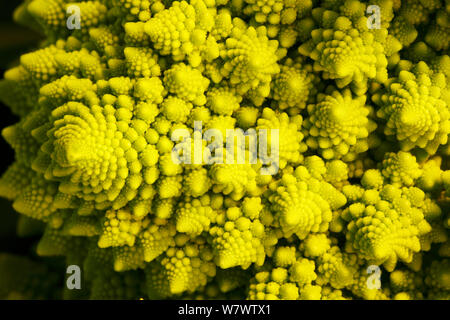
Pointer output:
363, 119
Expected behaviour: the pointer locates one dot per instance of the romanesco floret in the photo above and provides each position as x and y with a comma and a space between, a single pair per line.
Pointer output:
123, 164
414, 111
338, 126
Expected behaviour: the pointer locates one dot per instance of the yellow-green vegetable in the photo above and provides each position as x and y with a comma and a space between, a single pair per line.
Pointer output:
355, 110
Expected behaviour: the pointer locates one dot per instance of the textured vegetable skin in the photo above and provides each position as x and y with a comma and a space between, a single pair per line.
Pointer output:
363, 120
